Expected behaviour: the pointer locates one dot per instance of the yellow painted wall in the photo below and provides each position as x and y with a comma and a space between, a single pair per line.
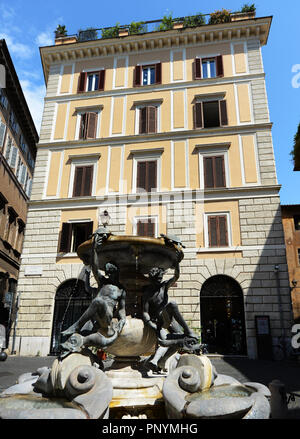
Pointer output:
66, 79
179, 164
178, 109
249, 159
120, 72
53, 173
60, 121
239, 58
178, 65
244, 102
118, 113
114, 172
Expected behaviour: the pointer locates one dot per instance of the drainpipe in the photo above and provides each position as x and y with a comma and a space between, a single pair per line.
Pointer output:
15, 325
276, 270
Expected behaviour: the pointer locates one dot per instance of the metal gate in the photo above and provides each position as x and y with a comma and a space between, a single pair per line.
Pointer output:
71, 301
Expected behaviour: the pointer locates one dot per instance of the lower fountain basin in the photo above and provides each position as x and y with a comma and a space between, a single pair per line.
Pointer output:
31, 406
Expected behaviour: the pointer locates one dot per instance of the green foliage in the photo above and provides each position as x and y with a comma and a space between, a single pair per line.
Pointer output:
166, 23
111, 32
61, 30
194, 20
222, 16
296, 148
248, 8
136, 28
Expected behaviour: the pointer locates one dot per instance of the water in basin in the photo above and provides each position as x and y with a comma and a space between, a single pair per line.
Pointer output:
218, 392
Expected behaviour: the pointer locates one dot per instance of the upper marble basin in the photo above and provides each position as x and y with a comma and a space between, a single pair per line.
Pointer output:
134, 255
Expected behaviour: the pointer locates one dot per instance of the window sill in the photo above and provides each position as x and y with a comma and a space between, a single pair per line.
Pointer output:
67, 255
216, 249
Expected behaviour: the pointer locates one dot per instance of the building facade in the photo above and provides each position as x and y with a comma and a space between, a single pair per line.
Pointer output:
291, 226
18, 138
169, 132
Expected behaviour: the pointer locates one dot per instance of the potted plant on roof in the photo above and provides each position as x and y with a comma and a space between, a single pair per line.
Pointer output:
247, 12
111, 32
60, 31
137, 28
194, 20
222, 16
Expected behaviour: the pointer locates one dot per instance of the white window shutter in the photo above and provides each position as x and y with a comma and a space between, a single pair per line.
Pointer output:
2, 133
23, 174
13, 158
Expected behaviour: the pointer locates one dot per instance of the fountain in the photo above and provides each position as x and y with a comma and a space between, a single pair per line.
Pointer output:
142, 333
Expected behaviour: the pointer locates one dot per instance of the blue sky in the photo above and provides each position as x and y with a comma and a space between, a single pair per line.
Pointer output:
27, 25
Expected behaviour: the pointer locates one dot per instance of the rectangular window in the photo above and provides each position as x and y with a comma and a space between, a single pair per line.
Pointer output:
208, 67
217, 231
91, 81
210, 114
83, 181
145, 227
146, 176
148, 120
214, 172
147, 75
88, 125
297, 222
74, 234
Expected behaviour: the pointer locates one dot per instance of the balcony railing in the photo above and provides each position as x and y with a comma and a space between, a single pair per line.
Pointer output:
164, 24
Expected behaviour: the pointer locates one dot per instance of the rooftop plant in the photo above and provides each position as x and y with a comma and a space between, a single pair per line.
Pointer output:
137, 28
296, 149
248, 8
166, 23
111, 32
222, 16
60, 31
194, 20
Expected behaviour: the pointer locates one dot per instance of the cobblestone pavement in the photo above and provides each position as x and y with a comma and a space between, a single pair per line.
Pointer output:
243, 369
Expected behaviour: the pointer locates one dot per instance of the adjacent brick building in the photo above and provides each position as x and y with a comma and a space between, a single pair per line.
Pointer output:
291, 226
18, 138
169, 131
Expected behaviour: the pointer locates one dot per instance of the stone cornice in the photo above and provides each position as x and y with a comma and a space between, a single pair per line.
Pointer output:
155, 88
169, 135
252, 28
233, 193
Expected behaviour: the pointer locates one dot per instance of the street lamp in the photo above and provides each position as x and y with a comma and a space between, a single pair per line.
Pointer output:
105, 218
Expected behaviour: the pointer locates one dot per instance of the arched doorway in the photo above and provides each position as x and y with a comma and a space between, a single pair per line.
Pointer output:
222, 316
71, 300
